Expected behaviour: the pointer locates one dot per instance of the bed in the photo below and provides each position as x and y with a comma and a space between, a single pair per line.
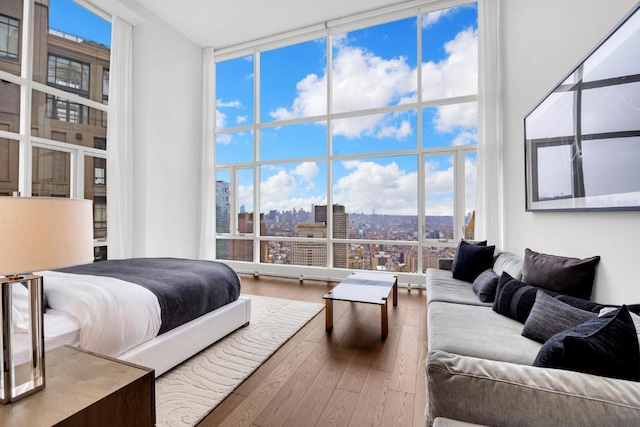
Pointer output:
155, 312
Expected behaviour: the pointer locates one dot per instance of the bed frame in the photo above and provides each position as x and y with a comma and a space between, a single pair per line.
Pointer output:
177, 345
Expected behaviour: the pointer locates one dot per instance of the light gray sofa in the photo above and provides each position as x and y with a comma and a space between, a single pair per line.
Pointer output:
479, 369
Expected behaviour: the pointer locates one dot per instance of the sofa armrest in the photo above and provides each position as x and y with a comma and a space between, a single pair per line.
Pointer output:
506, 394
445, 263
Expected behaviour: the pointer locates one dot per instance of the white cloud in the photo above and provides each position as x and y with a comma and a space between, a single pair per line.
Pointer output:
464, 138
307, 170
431, 18
278, 186
371, 186
471, 179
224, 139
363, 80
221, 119
241, 119
230, 104
457, 74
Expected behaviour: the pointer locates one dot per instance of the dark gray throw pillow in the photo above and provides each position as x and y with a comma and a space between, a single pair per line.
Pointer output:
549, 316
485, 285
515, 299
569, 276
471, 260
606, 346
466, 242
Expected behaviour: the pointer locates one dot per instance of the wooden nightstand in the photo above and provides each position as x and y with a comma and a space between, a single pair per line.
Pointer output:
86, 389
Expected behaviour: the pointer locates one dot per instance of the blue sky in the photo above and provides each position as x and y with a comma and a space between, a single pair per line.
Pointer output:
69, 17
372, 67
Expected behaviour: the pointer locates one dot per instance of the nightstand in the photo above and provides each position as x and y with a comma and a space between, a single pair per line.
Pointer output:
86, 389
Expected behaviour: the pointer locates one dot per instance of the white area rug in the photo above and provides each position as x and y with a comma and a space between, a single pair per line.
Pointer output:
187, 393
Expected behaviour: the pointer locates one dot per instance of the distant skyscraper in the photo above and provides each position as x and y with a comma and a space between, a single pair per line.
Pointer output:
242, 250
340, 229
310, 253
223, 218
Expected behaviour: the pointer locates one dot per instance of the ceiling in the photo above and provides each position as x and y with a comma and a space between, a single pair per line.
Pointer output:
223, 23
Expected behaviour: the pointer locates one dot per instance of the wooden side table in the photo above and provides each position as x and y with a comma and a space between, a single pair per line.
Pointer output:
86, 389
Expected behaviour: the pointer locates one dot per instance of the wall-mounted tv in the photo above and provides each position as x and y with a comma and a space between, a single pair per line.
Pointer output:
582, 141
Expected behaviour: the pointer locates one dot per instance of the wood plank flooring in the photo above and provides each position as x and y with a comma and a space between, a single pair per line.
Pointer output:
348, 377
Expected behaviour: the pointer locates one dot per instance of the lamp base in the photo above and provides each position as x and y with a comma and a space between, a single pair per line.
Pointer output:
22, 374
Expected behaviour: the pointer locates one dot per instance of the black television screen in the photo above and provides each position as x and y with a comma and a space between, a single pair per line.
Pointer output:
582, 141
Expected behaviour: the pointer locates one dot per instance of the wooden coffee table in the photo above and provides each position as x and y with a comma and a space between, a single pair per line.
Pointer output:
367, 288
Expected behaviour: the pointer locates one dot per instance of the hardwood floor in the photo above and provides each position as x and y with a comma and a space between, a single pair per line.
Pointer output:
348, 377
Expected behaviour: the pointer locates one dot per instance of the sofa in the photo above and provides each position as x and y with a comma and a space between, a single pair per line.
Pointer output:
479, 366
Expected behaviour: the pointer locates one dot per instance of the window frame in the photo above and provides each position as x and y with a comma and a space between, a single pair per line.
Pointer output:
329, 30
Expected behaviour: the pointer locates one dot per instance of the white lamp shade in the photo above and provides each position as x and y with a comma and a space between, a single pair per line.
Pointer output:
42, 233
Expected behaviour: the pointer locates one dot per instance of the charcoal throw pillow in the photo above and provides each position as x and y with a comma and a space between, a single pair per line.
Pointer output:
471, 260
514, 298
606, 346
569, 276
466, 242
549, 316
485, 285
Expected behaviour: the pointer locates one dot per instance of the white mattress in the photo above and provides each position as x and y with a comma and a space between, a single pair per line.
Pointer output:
60, 328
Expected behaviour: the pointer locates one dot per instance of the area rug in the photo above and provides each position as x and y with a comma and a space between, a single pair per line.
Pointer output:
188, 392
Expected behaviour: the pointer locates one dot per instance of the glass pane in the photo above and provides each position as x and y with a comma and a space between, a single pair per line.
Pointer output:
95, 188
10, 35
234, 92
244, 204
379, 257
310, 253
431, 255
9, 165
288, 194
61, 120
223, 201
84, 38
234, 250
293, 82
285, 142
234, 147
449, 125
439, 196
470, 176
378, 132
450, 52
9, 106
277, 252
375, 66
51, 176
99, 253
380, 196
611, 109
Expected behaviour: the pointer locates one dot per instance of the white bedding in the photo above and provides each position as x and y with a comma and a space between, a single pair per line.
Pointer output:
60, 328
113, 315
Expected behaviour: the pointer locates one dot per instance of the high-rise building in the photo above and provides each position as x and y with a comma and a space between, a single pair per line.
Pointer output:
223, 218
242, 250
340, 231
310, 253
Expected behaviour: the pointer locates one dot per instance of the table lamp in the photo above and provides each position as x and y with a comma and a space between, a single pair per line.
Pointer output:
36, 233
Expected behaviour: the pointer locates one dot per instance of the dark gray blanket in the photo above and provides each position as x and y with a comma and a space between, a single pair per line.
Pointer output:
186, 289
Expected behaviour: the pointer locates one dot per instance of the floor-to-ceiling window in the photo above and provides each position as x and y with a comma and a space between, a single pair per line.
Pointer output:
352, 147
54, 69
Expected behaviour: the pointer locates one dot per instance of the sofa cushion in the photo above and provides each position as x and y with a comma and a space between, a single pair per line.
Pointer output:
477, 331
549, 316
441, 286
510, 263
606, 346
514, 298
570, 276
485, 285
471, 260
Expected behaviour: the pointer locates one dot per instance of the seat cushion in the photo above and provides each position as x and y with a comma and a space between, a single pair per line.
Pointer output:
441, 286
478, 331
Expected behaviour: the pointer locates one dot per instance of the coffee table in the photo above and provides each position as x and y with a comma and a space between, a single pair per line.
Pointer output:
367, 288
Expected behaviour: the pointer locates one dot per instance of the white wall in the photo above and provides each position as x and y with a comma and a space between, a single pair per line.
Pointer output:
542, 41
167, 101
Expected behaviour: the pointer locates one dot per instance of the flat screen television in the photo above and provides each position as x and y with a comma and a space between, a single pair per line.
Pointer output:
582, 141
